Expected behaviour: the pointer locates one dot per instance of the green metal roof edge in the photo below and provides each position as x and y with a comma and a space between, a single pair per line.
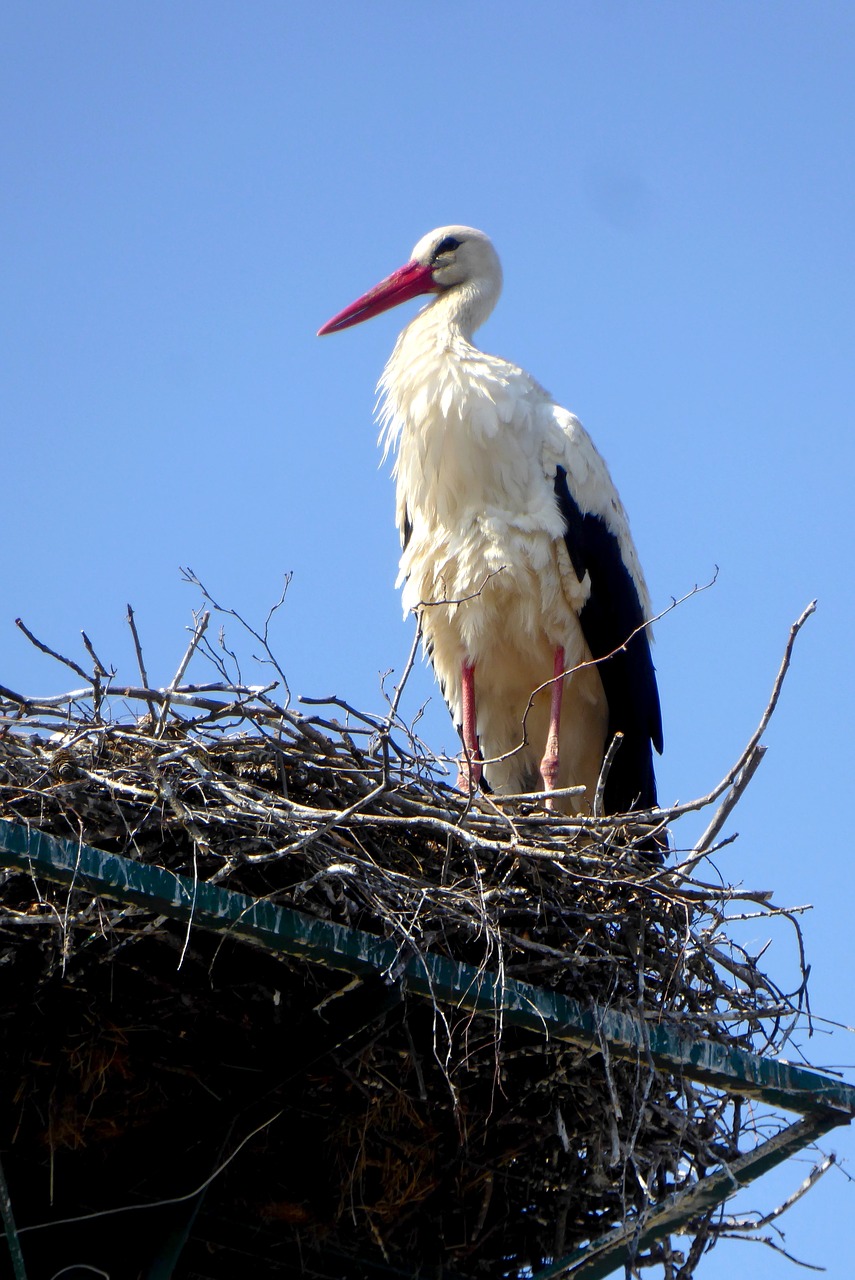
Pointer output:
600, 1258
354, 951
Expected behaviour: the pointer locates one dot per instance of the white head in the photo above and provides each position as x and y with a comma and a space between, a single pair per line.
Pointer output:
460, 255
458, 262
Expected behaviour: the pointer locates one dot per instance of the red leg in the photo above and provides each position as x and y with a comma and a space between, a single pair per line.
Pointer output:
469, 773
549, 763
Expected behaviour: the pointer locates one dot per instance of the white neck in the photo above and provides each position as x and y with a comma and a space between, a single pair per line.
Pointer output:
457, 311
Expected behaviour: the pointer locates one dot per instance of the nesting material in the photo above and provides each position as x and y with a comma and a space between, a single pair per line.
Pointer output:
332, 1120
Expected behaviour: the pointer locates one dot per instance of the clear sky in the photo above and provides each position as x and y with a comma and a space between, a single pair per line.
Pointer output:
190, 190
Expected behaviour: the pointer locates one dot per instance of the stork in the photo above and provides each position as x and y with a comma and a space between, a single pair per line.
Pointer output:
517, 554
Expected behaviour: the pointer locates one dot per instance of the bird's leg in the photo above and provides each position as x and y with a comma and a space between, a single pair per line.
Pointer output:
549, 763
469, 771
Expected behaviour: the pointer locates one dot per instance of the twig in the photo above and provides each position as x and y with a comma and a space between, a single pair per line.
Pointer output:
724, 810
405, 675
703, 801
595, 662
198, 632
771, 1244
100, 669
261, 637
153, 1204
140, 661
600, 791
68, 662
455, 600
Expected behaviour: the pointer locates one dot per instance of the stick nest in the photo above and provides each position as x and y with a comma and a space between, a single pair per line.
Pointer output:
418, 1138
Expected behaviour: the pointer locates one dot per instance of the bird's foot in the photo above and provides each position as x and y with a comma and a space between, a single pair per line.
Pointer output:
549, 766
469, 771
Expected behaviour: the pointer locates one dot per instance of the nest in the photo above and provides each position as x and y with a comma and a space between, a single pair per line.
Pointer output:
333, 1127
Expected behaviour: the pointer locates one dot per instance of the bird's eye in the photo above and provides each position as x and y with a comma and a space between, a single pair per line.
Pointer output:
448, 245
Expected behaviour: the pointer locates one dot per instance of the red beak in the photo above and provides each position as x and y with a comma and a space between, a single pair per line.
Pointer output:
406, 282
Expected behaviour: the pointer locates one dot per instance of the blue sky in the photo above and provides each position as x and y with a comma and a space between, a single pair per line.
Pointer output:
190, 190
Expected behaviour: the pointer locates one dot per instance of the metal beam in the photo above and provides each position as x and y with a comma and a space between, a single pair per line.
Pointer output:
601, 1257
7, 1218
304, 937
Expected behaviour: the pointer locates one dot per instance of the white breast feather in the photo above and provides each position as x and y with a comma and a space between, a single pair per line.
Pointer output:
478, 443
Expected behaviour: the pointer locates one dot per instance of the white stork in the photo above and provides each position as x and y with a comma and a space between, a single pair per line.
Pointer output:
517, 552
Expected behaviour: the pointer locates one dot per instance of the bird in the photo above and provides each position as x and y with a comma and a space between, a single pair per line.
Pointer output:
517, 556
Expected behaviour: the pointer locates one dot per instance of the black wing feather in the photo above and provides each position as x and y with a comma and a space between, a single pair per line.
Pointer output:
610, 620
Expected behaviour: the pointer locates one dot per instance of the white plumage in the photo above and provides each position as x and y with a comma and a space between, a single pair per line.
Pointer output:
517, 550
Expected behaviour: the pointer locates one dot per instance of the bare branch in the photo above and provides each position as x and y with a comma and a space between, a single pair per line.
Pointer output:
262, 637
740, 782
140, 661
605, 770
731, 775
100, 669
198, 632
52, 653
595, 662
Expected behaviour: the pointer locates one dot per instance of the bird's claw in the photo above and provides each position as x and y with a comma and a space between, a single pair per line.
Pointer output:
468, 775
